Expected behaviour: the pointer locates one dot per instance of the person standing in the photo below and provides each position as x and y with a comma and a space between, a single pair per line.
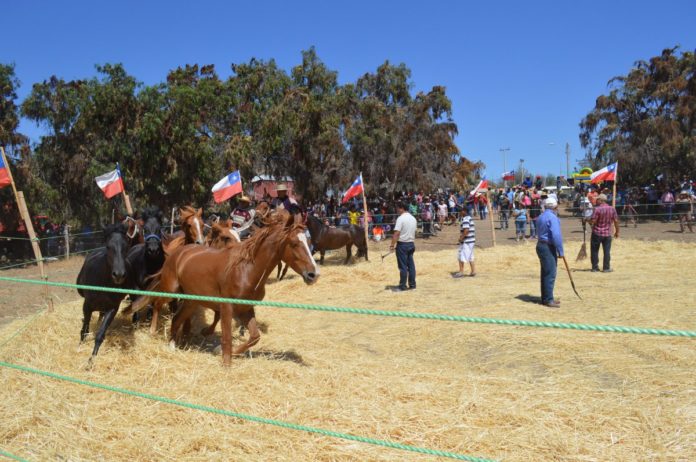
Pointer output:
549, 248
467, 240
684, 209
403, 241
667, 200
602, 219
520, 214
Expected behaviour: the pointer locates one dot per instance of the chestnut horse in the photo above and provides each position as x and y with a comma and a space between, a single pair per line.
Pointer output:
191, 230
326, 238
237, 272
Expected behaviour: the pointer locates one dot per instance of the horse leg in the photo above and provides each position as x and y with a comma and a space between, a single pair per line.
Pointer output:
321, 260
86, 318
348, 253
210, 330
248, 319
226, 325
101, 333
183, 315
280, 269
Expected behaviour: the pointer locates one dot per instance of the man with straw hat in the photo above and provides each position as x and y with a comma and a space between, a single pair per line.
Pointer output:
241, 215
549, 248
282, 200
602, 219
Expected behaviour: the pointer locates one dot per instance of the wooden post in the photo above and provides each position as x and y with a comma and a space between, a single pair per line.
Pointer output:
171, 223
366, 212
66, 236
24, 213
490, 215
613, 191
126, 201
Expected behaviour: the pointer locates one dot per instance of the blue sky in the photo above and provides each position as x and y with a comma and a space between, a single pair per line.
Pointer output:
520, 74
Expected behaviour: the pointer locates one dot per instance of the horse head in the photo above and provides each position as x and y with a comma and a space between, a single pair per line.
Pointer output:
222, 237
192, 224
116, 250
152, 228
296, 252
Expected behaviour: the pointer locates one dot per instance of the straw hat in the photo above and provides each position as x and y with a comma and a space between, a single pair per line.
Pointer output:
244, 199
281, 187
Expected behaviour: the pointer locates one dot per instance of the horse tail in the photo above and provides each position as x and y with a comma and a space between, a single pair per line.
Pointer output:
145, 300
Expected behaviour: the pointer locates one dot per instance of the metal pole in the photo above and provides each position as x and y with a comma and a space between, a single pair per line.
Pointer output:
567, 161
504, 151
66, 236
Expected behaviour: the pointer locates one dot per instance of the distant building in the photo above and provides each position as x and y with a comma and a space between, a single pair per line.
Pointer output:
265, 185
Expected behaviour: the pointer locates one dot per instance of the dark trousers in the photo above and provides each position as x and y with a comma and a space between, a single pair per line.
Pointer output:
547, 258
407, 267
605, 242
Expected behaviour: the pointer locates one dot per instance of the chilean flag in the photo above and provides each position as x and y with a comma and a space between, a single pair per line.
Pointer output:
227, 187
509, 176
608, 173
482, 184
110, 183
4, 175
355, 189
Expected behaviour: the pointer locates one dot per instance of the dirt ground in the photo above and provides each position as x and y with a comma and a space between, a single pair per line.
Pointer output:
21, 300
515, 394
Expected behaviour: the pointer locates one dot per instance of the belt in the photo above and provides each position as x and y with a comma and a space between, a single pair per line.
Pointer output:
543, 241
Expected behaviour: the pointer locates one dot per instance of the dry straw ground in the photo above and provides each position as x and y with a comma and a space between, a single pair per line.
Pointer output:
510, 393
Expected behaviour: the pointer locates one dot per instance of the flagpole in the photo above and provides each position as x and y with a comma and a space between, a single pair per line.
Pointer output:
366, 212
613, 190
24, 214
490, 215
126, 199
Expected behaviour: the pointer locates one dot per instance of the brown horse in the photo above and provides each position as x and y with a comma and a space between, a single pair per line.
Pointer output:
238, 272
191, 230
326, 238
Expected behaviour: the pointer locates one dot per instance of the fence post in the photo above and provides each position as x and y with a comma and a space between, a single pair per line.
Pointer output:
66, 236
171, 223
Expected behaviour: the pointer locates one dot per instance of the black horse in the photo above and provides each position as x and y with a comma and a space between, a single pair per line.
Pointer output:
106, 267
326, 238
147, 259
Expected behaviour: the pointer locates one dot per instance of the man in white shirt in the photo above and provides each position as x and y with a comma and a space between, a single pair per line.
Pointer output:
403, 242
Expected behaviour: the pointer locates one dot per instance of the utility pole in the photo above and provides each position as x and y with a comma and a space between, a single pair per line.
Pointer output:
567, 161
504, 151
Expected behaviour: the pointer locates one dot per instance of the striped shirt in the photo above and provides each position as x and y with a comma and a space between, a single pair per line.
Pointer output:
468, 223
603, 217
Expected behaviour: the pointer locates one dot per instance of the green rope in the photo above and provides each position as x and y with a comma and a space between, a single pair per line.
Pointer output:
24, 326
11, 456
395, 314
262, 420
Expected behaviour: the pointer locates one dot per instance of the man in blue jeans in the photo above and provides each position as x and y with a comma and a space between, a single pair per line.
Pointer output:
549, 248
403, 241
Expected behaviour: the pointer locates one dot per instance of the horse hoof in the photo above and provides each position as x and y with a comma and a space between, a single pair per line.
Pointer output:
90, 364
217, 350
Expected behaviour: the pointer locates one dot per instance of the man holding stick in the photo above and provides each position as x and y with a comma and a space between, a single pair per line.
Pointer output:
602, 219
549, 248
403, 242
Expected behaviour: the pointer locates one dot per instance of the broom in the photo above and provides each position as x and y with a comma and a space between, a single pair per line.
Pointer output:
583, 250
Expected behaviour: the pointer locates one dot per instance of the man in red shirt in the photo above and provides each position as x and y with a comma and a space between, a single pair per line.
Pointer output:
601, 221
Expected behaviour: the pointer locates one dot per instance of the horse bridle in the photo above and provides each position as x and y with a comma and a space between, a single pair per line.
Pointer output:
136, 228
153, 236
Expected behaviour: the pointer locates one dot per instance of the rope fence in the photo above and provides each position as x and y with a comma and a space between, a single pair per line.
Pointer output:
241, 416
11, 456
370, 312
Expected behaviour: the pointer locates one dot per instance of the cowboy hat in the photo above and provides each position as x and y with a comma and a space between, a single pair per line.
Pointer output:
244, 199
281, 187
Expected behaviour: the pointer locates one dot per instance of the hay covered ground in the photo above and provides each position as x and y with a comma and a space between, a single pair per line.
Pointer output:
510, 393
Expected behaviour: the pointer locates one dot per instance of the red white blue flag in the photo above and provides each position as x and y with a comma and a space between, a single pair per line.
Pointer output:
608, 173
481, 185
4, 174
227, 187
110, 183
509, 176
355, 189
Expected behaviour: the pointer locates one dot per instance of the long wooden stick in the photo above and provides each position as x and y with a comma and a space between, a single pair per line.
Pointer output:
572, 283
365, 222
24, 214
490, 215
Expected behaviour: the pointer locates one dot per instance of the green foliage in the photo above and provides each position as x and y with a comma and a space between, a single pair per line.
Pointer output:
175, 139
647, 121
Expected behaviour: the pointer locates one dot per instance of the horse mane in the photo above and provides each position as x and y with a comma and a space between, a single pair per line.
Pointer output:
186, 212
246, 252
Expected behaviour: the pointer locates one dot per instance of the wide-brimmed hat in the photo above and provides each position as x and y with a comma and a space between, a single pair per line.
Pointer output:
281, 187
244, 199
